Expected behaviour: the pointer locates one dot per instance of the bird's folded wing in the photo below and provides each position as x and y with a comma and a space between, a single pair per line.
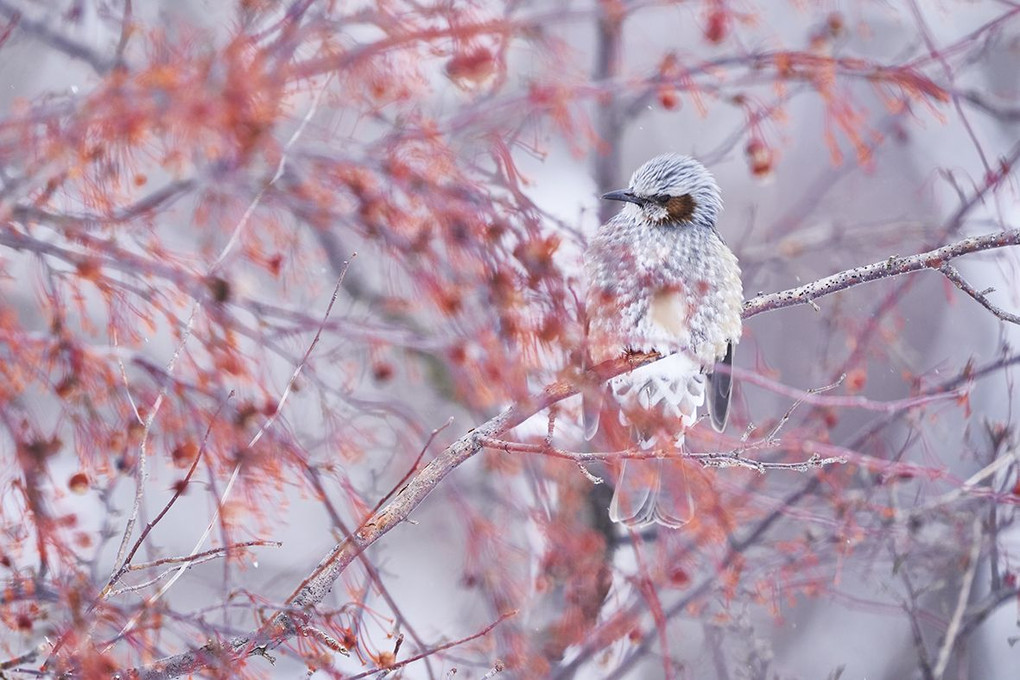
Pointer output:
720, 390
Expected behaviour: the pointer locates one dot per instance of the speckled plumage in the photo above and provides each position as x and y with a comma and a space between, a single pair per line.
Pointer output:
660, 278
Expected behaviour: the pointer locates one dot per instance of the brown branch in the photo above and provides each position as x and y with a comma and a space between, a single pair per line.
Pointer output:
160, 198
190, 560
1009, 115
716, 459
608, 121
414, 466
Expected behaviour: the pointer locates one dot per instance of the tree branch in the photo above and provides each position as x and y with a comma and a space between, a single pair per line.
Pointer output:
716, 459
893, 266
42, 30
318, 584
954, 275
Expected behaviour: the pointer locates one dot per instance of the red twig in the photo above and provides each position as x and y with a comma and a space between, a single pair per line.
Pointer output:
482, 633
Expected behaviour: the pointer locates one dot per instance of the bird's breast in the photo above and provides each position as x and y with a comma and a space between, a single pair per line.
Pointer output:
669, 289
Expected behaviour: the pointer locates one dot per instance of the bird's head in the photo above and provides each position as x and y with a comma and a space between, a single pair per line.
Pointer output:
672, 190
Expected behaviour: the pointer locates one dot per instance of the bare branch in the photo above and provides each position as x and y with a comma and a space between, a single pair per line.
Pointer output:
1001, 113
189, 560
953, 630
318, 584
721, 459
954, 275
846, 400
126, 565
893, 266
448, 645
41, 30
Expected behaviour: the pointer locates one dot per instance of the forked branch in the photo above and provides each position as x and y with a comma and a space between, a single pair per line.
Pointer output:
894, 266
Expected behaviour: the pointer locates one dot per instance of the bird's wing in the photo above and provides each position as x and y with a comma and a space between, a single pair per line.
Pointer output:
591, 410
720, 390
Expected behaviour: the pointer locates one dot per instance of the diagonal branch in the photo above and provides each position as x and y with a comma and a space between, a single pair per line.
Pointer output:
953, 274
290, 622
42, 30
316, 586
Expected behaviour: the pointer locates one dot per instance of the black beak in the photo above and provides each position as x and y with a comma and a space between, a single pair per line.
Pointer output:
624, 195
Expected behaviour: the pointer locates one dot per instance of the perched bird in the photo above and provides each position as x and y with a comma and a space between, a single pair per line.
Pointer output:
661, 279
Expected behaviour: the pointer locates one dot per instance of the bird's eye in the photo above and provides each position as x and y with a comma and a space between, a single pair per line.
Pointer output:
661, 199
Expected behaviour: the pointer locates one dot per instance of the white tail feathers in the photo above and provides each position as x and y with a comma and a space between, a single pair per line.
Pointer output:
674, 385
670, 391
653, 491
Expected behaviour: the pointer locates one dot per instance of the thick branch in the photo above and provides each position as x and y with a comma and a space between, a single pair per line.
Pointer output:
608, 122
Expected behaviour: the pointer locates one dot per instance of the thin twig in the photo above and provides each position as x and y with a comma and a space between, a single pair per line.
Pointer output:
126, 28
239, 228
392, 667
304, 358
320, 582
970, 486
213, 552
188, 560
844, 400
496, 669
237, 468
954, 275
141, 469
953, 630
414, 467
734, 458
42, 30
126, 566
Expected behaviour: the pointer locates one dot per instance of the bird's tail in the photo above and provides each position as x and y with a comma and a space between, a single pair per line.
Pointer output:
659, 401
653, 490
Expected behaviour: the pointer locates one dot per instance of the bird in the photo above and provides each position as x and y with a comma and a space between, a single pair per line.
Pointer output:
660, 278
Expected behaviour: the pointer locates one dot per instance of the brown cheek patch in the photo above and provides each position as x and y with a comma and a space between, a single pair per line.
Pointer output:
680, 208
